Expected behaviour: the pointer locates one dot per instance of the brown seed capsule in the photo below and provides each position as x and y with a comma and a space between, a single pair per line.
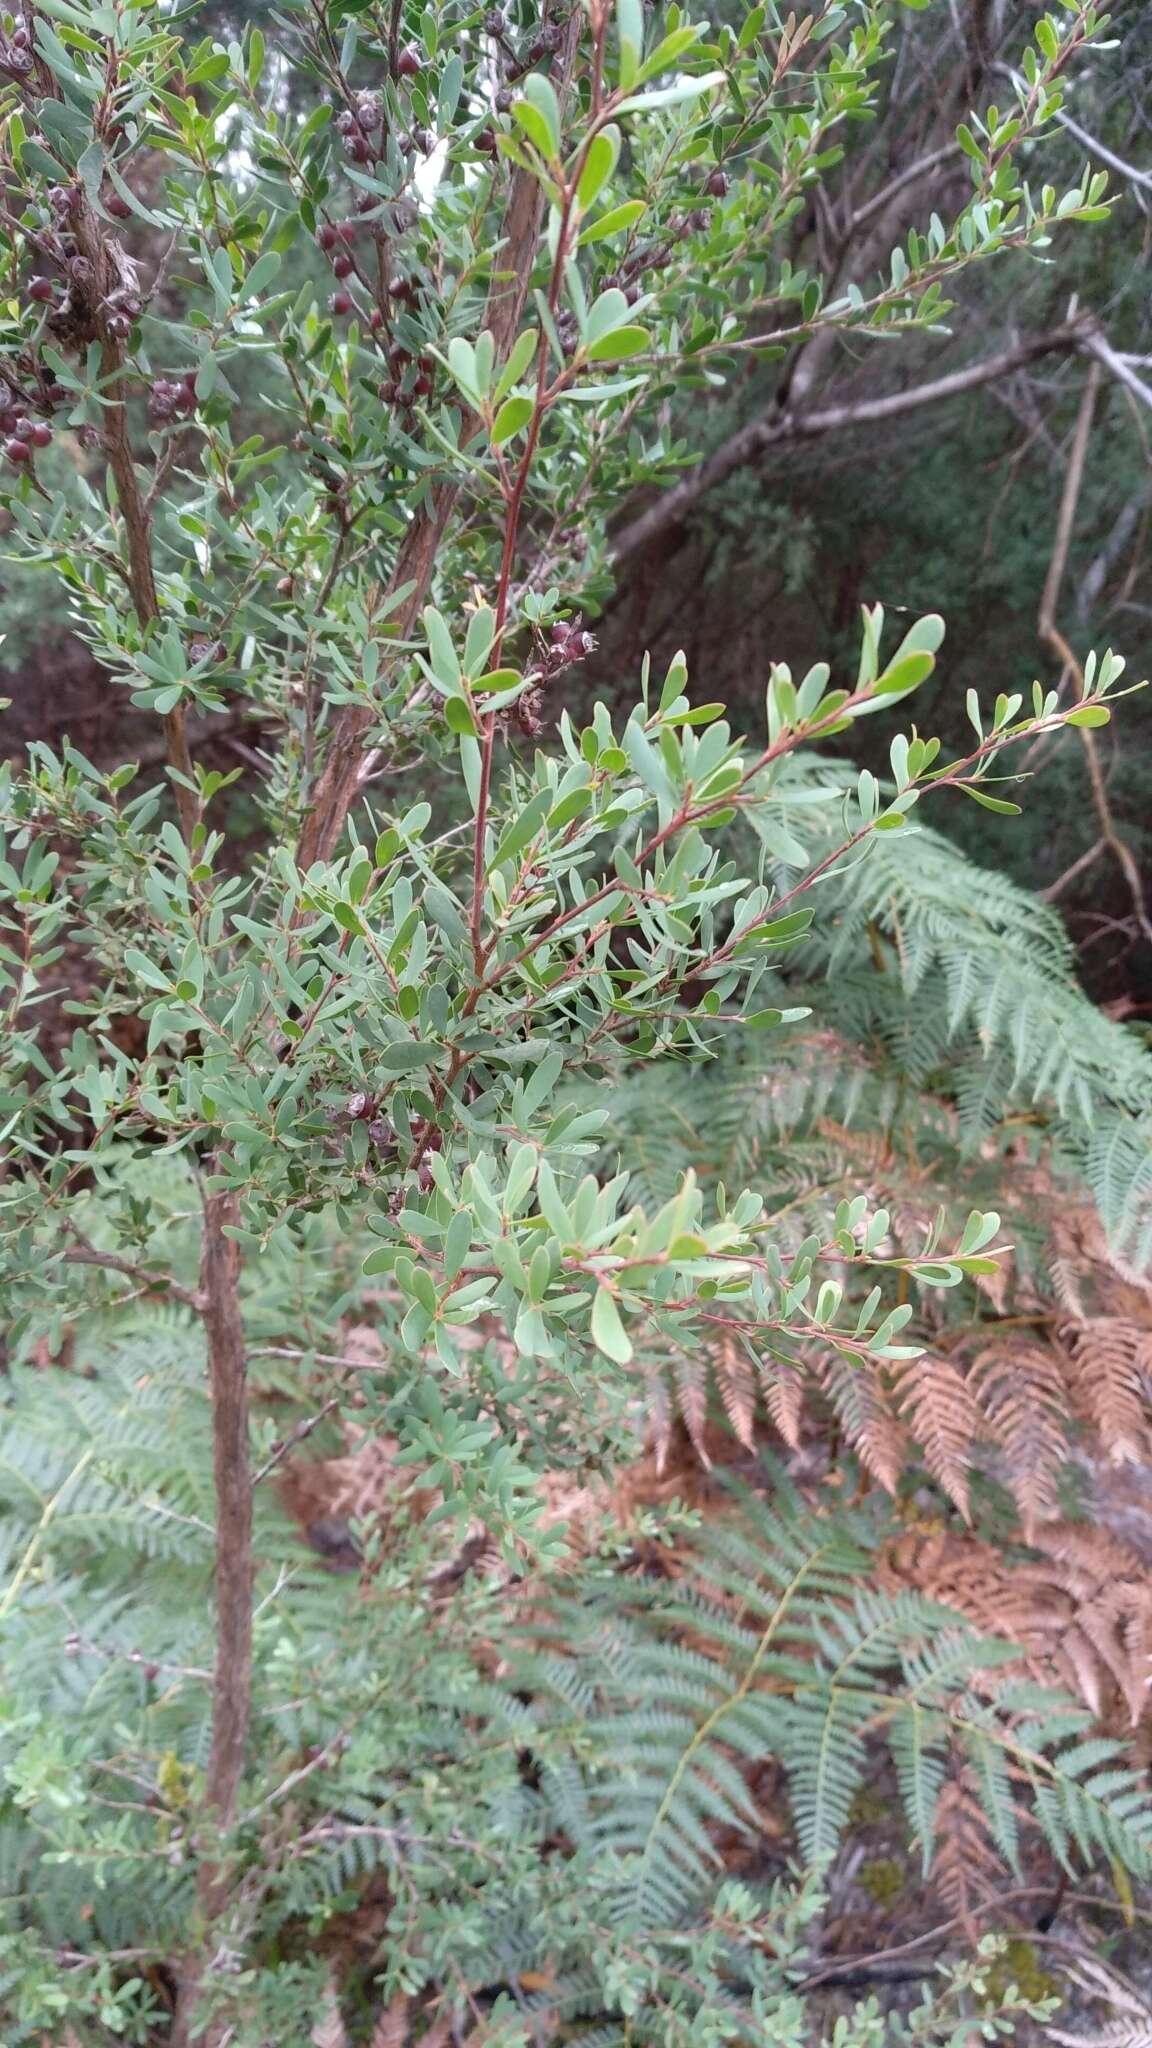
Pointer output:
285, 586
42, 289
408, 63
17, 451
717, 185
386, 392
422, 386
348, 230
326, 236
118, 207
343, 265
340, 303
485, 142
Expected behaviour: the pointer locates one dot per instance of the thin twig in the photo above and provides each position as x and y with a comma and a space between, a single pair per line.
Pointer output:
294, 1437
1054, 638
82, 1253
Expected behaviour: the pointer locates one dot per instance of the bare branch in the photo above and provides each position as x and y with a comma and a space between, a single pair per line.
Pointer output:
1120, 366
910, 175
774, 429
82, 1253
135, 509
1054, 638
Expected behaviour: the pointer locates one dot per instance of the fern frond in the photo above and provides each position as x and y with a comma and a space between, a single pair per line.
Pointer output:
934, 1398
1111, 1362
1021, 1394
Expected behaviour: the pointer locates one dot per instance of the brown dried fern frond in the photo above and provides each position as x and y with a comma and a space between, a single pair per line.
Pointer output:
1081, 1611
863, 1411
1110, 1369
328, 2030
690, 1376
1021, 1391
392, 2026
783, 1384
736, 1381
966, 1866
934, 1399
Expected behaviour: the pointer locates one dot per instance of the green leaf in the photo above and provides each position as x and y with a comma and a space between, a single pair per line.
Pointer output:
142, 967
671, 95
608, 1332
1089, 715
906, 674
459, 717
990, 803
522, 352
511, 419
478, 639
524, 828
261, 274
599, 164
609, 312
441, 652
614, 222
625, 341
404, 1055
630, 38
540, 91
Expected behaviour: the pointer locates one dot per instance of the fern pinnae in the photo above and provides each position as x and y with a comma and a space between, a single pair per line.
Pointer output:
704, 1733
